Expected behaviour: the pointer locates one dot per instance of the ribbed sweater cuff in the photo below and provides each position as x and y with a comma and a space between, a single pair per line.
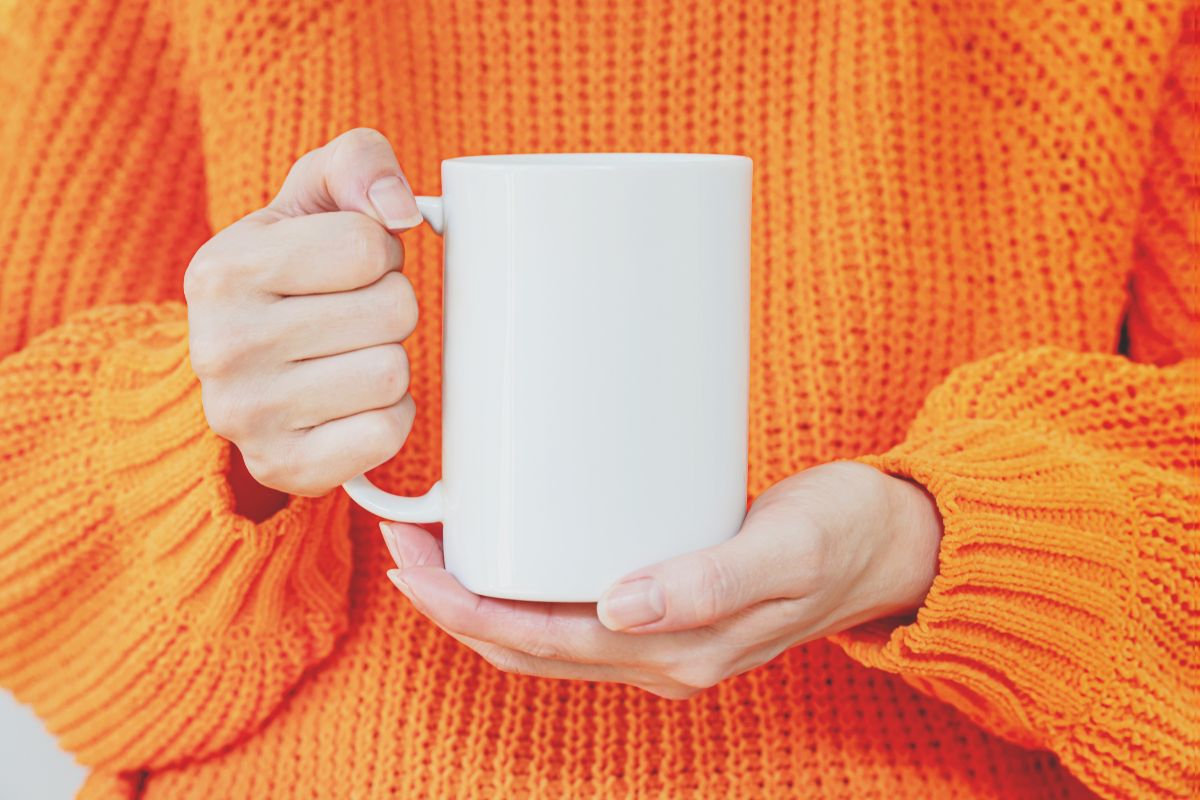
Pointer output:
169, 472
150, 622
1033, 571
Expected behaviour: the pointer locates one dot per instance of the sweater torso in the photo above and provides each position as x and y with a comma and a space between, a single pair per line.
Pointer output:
932, 184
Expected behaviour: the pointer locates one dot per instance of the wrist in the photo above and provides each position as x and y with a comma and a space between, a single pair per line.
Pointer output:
915, 536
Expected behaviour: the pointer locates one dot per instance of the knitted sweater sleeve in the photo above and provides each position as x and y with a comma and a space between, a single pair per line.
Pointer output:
143, 619
1064, 614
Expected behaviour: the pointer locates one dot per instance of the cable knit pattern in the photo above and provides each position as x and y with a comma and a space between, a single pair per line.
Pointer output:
963, 215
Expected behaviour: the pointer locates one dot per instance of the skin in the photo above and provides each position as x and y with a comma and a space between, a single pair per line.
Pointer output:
819, 552
296, 316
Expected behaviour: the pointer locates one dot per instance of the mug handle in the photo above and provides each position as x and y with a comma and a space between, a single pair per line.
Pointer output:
426, 507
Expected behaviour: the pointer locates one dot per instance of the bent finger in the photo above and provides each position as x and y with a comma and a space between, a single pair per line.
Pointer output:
361, 380
333, 453
312, 326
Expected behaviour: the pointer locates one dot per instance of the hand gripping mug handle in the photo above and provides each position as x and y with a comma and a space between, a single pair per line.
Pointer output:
427, 507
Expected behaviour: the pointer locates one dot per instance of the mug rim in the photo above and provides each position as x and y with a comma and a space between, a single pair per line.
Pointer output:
597, 159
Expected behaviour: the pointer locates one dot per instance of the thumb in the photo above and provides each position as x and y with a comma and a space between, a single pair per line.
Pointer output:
357, 171
703, 587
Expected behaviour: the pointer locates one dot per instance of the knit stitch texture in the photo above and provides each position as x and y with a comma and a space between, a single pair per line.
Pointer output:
974, 264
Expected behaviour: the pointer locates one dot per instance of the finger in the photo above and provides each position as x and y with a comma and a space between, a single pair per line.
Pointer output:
361, 380
760, 563
518, 663
514, 661
332, 252
411, 545
688, 662
357, 171
656, 682
333, 453
328, 324
554, 631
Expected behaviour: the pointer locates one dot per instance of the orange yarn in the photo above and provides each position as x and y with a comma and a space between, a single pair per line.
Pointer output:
956, 205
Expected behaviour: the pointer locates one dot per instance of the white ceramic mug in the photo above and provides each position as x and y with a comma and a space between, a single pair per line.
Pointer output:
595, 367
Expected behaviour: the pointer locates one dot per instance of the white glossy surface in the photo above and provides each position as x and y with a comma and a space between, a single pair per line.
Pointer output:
595, 361
31, 764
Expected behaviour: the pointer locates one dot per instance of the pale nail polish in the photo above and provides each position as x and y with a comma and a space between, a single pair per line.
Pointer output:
395, 203
632, 604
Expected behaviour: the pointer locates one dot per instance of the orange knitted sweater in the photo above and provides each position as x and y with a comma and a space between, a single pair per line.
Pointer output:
975, 248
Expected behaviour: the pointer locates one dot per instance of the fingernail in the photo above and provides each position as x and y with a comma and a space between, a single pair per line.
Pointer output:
395, 203
389, 539
394, 577
633, 603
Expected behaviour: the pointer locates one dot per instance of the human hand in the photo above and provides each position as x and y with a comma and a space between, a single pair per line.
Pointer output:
296, 313
822, 551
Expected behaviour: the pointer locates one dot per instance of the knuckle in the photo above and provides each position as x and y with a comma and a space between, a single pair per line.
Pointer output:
206, 276
224, 411
396, 433
216, 352
304, 160
716, 587
362, 139
208, 358
369, 241
392, 373
392, 432
283, 200
401, 303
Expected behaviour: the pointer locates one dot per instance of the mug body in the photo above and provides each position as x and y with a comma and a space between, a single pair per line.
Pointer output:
595, 386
